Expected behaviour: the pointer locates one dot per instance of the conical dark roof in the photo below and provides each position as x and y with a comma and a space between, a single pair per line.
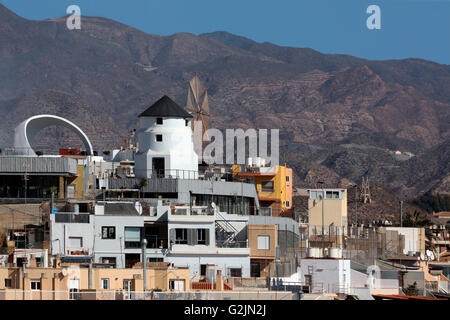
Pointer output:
165, 107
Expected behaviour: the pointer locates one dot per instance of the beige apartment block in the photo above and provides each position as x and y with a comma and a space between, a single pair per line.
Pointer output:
56, 283
334, 208
263, 240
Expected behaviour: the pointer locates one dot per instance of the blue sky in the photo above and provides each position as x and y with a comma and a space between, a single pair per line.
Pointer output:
409, 28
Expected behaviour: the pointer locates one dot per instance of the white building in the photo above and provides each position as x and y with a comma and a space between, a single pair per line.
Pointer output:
326, 275
184, 236
414, 239
166, 146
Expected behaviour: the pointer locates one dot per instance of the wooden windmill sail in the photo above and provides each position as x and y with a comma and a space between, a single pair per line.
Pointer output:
197, 104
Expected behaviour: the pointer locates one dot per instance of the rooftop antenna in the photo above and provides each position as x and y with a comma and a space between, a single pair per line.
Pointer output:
198, 104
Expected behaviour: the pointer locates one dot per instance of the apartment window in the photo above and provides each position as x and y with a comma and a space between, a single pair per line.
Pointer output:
288, 178
159, 138
127, 284
201, 236
332, 195
76, 242
181, 236
74, 294
263, 242
287, 203
236, 272
176, 285
132, 237
35, 284
310, 269
267, 186
8, 283
108, 232
159, 120
105, 283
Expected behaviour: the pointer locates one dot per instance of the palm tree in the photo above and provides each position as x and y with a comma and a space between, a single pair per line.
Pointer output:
418, 219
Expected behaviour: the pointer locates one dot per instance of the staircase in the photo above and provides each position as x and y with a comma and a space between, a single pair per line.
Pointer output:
225, 231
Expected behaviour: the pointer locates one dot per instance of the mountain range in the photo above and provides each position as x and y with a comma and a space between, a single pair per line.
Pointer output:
340, 117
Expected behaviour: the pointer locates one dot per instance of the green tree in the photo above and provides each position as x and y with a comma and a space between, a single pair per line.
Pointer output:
418, 219
143, 183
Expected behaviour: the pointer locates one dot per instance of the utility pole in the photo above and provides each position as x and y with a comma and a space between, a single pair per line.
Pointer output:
323, 226
144, 261
401, 213
356, 205
25, 178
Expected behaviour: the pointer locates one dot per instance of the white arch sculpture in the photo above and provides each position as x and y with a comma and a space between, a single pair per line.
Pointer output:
28, 128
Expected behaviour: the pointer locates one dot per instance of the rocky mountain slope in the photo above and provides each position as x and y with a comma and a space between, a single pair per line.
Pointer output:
340, 117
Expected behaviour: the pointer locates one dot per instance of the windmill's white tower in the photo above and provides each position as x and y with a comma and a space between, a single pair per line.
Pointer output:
166, 146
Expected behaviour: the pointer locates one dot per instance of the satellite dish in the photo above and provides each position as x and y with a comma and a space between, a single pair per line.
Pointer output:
213, 205
64, 272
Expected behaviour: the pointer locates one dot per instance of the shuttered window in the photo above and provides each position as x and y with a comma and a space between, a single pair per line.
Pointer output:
202, 237
75, 242
181, 236
263, 242
133, 234
132, 237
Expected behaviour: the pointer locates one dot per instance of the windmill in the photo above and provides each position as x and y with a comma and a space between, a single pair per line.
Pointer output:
197, 104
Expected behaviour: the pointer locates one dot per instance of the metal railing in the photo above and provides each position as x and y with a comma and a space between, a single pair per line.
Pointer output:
231, 244
164, 174
154, 242
12, 151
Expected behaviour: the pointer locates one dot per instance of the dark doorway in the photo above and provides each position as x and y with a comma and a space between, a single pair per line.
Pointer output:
158, 167
131, 259
255, 270
203, 269
21, 261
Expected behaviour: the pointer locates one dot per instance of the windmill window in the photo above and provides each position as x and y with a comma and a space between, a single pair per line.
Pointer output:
159, 120
159, 138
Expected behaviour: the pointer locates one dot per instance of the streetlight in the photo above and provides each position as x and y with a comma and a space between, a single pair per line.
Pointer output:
323, 227
144, 261
355, 186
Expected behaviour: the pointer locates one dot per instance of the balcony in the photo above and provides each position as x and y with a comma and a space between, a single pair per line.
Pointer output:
231, 244
192, 211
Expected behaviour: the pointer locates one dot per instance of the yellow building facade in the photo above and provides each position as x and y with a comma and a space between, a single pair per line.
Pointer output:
273, 184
